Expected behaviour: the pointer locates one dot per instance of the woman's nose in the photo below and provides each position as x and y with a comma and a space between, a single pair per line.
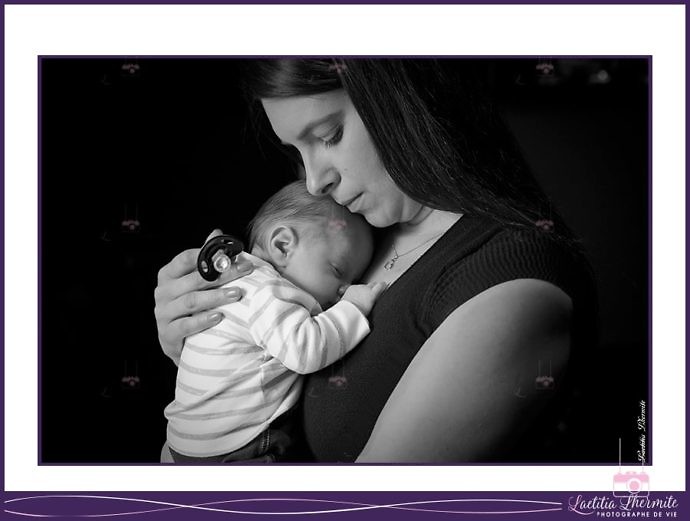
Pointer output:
322, 177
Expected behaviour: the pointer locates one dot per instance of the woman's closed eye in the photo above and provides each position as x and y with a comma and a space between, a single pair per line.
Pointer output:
333, 138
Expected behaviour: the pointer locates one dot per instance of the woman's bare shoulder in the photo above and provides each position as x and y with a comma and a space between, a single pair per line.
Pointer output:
459, 398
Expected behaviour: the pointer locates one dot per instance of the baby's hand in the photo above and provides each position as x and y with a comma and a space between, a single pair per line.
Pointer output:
364, 295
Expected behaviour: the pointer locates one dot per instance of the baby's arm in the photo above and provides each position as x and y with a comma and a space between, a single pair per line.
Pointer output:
280, 322
364, 295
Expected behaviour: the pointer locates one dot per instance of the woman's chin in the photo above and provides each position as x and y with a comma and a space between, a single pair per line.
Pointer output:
378, 219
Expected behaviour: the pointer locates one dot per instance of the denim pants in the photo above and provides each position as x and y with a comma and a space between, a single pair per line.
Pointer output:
267, 447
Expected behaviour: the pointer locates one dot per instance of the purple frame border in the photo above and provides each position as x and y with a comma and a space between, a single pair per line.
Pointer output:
402, 506
347, 2
366, 505
2, 247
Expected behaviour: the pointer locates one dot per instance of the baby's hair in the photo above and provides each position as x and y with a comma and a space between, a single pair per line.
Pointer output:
292, 204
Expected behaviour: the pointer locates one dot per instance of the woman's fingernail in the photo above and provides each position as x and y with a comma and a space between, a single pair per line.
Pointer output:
232, 293
215, 317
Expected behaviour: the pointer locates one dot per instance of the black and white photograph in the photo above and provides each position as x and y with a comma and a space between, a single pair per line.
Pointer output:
345, 259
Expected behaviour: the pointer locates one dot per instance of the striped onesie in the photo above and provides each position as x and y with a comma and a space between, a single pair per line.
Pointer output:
234, 379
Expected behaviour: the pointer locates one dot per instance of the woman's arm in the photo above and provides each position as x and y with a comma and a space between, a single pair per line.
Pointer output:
184, 299
461, 399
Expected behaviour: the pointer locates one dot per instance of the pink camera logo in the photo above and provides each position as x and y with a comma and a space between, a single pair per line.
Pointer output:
544, 380
337, 382
630, 483
131, 224
131, 381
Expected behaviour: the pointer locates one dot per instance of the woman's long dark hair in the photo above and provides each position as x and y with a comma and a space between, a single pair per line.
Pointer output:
436, 134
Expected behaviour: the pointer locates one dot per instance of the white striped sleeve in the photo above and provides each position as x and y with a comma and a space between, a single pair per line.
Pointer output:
280, 322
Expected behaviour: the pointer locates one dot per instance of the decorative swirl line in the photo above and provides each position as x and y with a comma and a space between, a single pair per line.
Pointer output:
355, 506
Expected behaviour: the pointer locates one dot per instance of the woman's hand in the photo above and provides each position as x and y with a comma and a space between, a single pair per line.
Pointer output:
184, 300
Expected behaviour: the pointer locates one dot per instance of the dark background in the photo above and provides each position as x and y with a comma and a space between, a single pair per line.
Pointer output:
166, 142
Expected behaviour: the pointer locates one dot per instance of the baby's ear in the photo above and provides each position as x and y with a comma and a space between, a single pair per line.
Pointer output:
281, 244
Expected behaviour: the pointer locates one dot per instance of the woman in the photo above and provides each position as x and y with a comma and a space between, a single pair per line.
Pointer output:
490, 304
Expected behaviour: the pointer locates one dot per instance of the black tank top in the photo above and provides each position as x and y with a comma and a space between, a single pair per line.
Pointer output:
341, 403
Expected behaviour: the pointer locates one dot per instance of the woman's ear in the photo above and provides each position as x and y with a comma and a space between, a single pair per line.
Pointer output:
281, 244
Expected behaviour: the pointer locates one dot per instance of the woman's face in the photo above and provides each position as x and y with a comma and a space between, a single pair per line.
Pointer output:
339, 156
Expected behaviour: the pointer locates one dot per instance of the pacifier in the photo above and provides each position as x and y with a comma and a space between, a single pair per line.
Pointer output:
217, 256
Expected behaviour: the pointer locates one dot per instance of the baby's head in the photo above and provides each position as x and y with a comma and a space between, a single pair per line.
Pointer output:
312, 241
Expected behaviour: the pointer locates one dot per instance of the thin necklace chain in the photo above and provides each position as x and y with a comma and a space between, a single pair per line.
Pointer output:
391, 263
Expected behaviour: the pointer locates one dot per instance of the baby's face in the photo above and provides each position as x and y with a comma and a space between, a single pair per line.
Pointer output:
329, 257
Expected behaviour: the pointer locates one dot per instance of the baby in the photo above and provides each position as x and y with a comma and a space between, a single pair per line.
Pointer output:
299, 314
